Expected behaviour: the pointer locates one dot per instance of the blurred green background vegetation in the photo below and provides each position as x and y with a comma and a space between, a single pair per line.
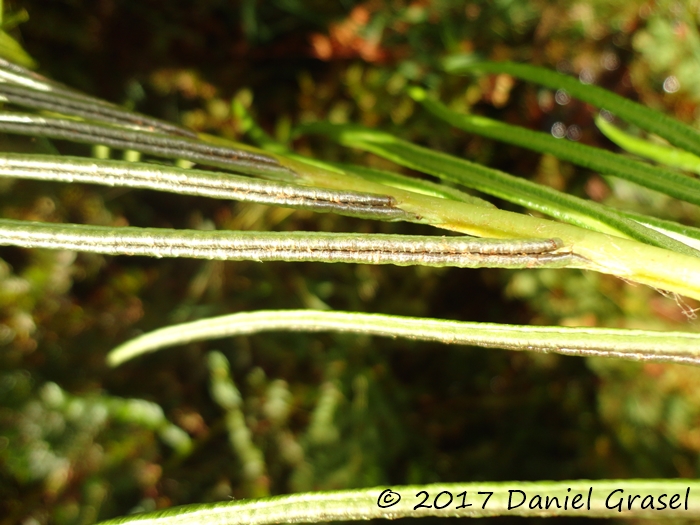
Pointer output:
273, 414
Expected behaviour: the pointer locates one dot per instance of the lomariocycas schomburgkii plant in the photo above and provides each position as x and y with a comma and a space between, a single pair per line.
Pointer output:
587, 235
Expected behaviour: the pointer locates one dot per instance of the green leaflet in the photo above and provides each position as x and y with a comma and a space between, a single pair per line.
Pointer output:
24, 88
395, 180
117, 135
686, 234
635, 345
667, 155
401, 250
424, 187
655, 122
481, 499
215, 185
605, 162
514, 189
